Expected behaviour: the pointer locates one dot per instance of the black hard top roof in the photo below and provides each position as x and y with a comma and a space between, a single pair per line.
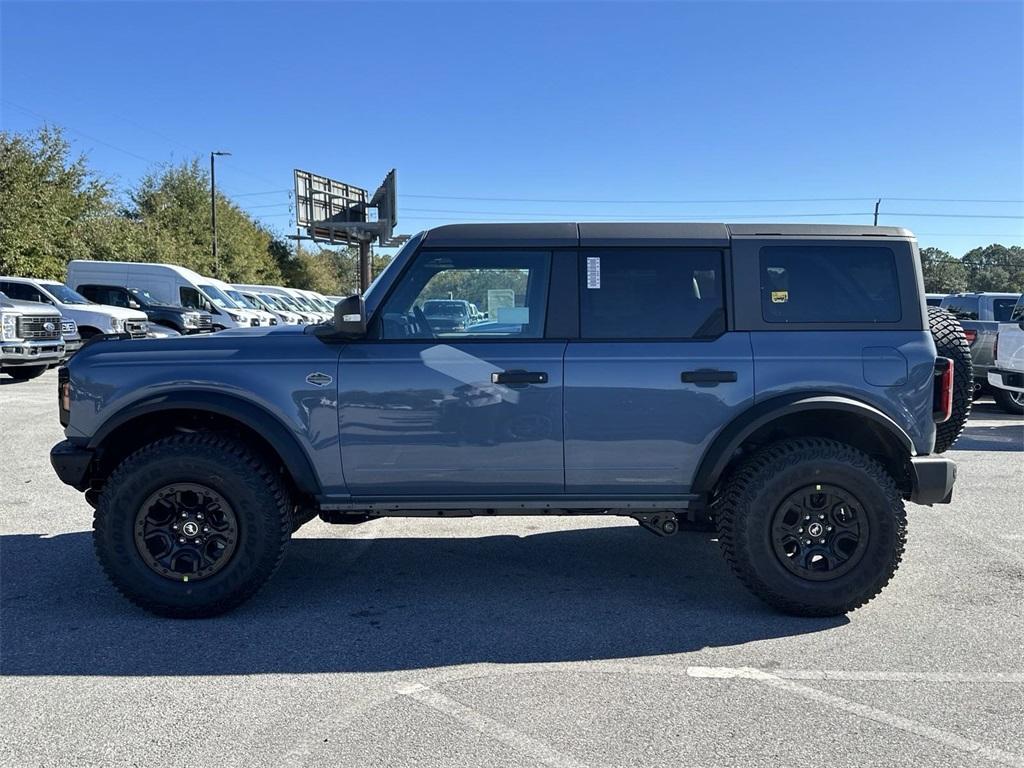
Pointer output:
635, 233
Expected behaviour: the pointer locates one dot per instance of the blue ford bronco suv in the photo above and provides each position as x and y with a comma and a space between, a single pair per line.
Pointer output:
785, 382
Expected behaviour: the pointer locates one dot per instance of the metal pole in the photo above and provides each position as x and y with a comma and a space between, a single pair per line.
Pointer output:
213, 214
364, 266
877, 203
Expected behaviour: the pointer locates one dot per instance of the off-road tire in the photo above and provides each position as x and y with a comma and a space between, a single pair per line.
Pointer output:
25, 372
951, 342
757, 488
222, 463
1004, 399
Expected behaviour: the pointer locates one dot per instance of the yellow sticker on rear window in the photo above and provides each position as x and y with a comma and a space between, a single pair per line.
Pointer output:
780, 297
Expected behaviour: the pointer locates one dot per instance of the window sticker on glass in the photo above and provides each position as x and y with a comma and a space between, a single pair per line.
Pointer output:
780, 297
593, 272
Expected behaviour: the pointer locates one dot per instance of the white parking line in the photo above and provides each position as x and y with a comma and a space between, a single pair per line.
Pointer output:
488, 727
937, 735
1016, 678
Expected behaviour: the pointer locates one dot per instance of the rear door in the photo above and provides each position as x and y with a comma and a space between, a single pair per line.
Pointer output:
470, 410
656, 372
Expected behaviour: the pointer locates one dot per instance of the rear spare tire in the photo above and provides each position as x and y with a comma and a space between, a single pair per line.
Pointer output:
951, 342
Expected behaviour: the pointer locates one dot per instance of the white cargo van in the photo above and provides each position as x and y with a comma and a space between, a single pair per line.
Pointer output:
284, 295
168, 283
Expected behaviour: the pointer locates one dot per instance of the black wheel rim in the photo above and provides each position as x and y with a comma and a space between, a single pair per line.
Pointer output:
186, 532
820, 532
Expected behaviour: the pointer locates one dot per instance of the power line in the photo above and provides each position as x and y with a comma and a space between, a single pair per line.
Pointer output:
83, 134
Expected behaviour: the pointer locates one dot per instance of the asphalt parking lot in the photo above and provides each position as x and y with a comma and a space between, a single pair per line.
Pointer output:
514, 642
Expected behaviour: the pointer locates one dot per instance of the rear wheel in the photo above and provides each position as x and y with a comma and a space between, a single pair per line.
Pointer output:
812, 526
25, 372
951, 342
191, 525
1011, 402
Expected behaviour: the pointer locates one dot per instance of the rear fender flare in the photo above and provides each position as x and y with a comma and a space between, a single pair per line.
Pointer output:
724, 446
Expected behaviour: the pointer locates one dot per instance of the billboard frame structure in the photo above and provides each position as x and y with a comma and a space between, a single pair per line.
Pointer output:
337, 212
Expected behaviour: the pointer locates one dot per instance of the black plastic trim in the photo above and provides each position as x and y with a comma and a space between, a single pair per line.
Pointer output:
71, 462
932, 479
722, 449
251, 415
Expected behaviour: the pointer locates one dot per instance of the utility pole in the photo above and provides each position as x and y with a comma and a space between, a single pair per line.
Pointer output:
364, 266
213, 209
878, 202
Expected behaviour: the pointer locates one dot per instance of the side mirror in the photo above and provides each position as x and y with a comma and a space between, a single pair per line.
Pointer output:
350, 317
132, 304
207, 306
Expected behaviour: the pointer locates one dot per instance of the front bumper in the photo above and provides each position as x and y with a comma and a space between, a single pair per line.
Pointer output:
71, 463
1011, 380
70, 347
932, 479
37, 352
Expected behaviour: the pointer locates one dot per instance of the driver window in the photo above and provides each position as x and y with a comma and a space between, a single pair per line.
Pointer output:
470, 294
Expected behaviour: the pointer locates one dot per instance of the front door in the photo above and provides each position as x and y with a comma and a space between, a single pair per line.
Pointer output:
456, 392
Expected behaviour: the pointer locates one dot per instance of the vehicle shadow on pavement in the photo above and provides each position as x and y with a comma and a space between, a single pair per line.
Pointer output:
997, 437
359, 605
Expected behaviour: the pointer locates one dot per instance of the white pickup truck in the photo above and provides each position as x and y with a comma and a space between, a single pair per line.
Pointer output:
1007, 377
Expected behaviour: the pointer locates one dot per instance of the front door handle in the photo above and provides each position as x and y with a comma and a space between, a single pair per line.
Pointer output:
707, 377
519, 378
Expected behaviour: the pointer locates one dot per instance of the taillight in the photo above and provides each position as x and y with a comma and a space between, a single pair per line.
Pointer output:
995, 348
942, 400
971, 335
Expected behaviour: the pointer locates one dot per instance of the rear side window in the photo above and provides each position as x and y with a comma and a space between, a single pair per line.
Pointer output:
829, 284
651, 293
1002, 309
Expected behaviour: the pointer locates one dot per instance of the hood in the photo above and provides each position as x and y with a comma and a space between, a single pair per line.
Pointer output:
121, 313
33, 308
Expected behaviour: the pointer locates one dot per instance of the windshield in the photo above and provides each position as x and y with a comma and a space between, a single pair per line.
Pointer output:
146, 298
65, 295
241, 300
288, 301
303, 302
218, 297
273, 301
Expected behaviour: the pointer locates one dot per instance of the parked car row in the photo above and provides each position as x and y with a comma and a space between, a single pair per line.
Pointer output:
45, 321
984, 316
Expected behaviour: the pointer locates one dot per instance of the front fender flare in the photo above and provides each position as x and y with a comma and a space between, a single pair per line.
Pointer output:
254, 416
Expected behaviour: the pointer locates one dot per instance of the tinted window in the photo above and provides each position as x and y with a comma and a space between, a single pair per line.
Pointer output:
650, 293
1018, 311
829, 284
105, 294
962, 307
1002, 309
432, 300
191, 298
22, 292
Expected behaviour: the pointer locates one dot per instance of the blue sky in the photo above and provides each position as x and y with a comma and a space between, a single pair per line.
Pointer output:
563, 102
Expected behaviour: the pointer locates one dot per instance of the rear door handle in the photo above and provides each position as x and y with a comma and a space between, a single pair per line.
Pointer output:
519, 378
707, 377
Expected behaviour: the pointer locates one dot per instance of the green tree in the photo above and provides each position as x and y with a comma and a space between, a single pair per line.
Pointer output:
942, 273
51, 205
995, 268
171, 210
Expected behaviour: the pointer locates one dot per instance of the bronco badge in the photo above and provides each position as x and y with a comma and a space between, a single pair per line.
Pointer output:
319, 379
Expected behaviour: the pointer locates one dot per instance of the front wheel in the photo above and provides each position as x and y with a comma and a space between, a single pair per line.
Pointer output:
191, 525
1009, 401
812, 526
